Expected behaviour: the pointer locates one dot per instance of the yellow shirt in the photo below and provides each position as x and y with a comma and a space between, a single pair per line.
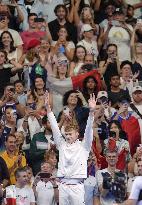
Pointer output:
10, 162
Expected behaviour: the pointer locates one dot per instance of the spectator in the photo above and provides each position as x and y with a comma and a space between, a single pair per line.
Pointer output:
4, 177
46, 9
7, 73
46, 189
78, 60
22, 193
4, 27
85, 17
127, 79
19, 89
119, 137
137, 99
54, 26
116, 92
91, 189
41, 142
9, 125
51, 158
136, 68
73, 107
89, 87
131, 180
88, 42
129, 124
110, 64
125, 30
106, 192
63, 45
12, 158
7, 43
130, 19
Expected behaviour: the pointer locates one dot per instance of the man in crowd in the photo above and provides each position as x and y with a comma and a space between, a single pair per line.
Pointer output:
12, 158
106, 177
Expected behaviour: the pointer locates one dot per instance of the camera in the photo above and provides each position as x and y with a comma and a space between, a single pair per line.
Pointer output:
44, 175
116, 185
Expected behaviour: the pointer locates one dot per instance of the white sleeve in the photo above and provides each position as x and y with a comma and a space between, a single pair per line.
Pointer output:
55, 129
136, 188
32, 196
88, 135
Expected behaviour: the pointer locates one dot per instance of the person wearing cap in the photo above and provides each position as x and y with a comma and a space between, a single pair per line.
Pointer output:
119, 33
85, 17
108, 110
137, 97
88, 40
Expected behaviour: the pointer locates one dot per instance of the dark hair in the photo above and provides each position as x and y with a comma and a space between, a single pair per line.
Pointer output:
32, 14
4, 52
18, 81
125, 63
85, 89
63, 26
18, 171
60, 6
111, 44
66, 96
130, 6
12, 47
10, 135
122, 133
75, 59
114, 74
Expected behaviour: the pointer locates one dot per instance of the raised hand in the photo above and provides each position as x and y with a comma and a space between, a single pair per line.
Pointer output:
92, 102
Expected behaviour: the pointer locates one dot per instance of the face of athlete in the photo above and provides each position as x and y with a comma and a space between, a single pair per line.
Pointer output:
71, 136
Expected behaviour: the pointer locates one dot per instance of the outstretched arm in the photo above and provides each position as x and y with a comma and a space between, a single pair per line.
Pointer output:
53, 123
88, 136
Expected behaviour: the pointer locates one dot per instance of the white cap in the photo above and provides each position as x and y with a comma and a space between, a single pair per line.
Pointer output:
86, 27
102, 94
136, 88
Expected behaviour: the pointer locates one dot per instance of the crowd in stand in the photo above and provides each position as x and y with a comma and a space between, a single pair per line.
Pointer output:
82, 61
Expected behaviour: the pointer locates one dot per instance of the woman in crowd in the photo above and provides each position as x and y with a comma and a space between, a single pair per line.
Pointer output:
89, 87
118, 136
128, 80
74, 112
78, 60
110, 64
63, 45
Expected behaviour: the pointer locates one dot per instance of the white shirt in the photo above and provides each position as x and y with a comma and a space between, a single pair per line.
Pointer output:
91, 48
136, 188
72, 157
121, 38
46, 9
24, 196
45, 193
